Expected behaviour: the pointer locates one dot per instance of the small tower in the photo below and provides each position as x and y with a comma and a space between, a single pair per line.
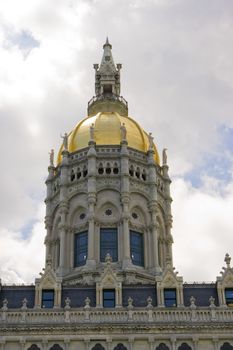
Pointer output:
107, 86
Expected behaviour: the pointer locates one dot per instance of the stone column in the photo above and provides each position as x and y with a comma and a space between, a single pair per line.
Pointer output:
63, 209
62, 229
91, 187
125, 203
168, 219
153, 210
48, 224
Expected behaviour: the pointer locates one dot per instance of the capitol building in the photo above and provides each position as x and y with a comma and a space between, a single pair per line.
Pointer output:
109, 282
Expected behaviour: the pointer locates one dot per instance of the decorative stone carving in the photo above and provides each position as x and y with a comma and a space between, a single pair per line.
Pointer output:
48, 280
165, 156
169, 279
51, 158
225, 280
65, 141
108, 280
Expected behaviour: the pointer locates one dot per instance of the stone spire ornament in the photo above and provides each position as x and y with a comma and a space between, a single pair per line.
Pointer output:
165, 156
65, 141
51, 158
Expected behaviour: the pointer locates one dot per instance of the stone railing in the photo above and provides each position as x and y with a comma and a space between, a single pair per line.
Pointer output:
123, 315
111, 97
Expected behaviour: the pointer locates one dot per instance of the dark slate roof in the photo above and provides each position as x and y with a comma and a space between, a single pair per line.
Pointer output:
77, 296
15, 295
201, 292
139, 294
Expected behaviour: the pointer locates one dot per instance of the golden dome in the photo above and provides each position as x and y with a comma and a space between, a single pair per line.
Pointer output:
107, 132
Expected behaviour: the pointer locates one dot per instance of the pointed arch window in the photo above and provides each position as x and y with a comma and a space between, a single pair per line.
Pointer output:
162, 346
34, 347
226, 346
184, 346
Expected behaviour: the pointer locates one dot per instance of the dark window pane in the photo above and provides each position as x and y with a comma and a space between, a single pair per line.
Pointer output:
229, 296
109, 298
108, 243
136, 248
170, 297
47, 298
80, 248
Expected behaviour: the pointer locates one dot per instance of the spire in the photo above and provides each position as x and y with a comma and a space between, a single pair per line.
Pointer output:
107, 85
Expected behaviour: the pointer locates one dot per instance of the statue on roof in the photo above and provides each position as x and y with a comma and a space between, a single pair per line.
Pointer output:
65, 141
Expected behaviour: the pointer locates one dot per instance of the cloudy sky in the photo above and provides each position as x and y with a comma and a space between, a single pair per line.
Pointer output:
178, 79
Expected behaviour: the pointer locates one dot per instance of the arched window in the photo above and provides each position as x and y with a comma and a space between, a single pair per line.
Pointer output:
72, 175
144, 175
137, 173
120, 347
85, 171
101, 169
108, 169
56, 347
34, 347
226, 346
98, 347
115, 169
131, 171
79, 174
184, 346
80, 248
108, 243
162, 346
137, 248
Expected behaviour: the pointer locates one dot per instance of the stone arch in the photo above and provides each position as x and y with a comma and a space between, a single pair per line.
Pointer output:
75, 218
184, 346
34, 347
162, 346
120, 346
98, 347
140, 212
56, 347
226, 346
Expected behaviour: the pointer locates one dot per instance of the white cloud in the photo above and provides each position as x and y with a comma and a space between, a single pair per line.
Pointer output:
22, 259
202, 229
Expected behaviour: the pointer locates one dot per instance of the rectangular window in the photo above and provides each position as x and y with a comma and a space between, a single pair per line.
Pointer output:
108, 243
47, 298
170, 297
229, 296
80, 248
109, 298
137, 248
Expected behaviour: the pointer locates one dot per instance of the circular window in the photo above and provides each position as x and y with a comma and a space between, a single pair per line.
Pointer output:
82, 216
134, 215
108, 212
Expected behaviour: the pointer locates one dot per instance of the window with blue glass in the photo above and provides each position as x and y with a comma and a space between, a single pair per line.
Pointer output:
80, 248
229, 296
108, 243
170, 297
137, 248
47, 298
109, 298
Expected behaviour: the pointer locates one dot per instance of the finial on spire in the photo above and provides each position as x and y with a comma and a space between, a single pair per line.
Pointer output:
107, 43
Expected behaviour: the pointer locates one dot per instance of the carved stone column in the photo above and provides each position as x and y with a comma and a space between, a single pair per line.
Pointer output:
125, 203
62, 229
155, 246
91, 188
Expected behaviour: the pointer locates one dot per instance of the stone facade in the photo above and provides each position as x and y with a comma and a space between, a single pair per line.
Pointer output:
119, 186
